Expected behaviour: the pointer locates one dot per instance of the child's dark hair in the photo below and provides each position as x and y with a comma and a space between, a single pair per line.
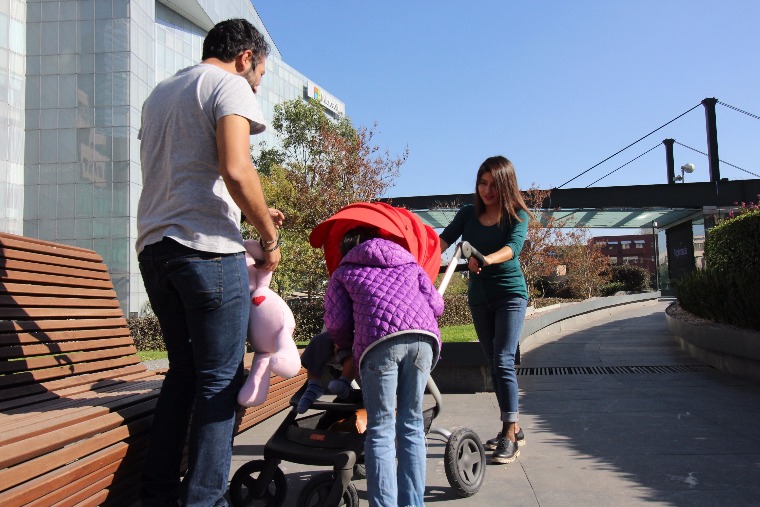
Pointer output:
357, 235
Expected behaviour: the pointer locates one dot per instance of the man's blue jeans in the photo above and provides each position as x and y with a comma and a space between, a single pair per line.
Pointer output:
398, 364
498, 326
202, 303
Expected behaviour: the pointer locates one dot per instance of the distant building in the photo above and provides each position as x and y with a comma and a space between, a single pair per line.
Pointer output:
633, 249
73, 78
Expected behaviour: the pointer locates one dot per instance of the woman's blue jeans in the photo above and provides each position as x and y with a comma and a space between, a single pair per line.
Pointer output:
202, 303
398, 364
498, 326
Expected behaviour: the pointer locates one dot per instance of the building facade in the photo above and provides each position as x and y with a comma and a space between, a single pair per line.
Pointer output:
632, 249
73, 77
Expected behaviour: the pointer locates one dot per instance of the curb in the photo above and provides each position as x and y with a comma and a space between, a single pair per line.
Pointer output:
728, 348
463, 367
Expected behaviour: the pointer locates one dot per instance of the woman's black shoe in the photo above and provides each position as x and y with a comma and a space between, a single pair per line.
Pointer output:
494, 442
506, 451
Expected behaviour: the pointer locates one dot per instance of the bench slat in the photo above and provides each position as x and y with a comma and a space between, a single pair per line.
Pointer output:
71, 412
25, 289
57, 348
105, 461
65, 371
56, 302
45, 259
11, 263
14, 339
60, 325
37, 467
12, 242
68, 360
51, 279
66, 314
25, 395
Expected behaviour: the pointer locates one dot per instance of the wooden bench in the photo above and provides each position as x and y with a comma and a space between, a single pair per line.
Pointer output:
76, 403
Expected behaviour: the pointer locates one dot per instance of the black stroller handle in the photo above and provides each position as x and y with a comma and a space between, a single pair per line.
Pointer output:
470, 251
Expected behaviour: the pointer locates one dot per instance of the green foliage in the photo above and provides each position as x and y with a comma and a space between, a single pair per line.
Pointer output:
633, 278
146, 332
457, 284
320, 166
728, 290
463, 333
152, 355
612, 288
456, 311
309, 314
730, 297
733, 244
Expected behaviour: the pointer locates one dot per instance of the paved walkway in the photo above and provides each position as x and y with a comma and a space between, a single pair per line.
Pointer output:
678, 435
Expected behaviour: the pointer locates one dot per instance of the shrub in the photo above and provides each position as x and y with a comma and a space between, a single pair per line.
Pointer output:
612, 288
734, 244
634, 278
727, 297
309, 314
456, 311
146, 332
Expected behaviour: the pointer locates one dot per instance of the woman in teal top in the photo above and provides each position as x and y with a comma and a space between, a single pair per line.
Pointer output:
497, 294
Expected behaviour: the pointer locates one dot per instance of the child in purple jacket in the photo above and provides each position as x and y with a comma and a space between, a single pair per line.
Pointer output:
382, 303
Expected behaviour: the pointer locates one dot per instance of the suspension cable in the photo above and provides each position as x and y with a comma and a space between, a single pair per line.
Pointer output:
739, 110
641, 138
636, 158
721, 161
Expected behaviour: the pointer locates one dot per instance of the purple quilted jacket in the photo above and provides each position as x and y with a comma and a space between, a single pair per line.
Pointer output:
379, 291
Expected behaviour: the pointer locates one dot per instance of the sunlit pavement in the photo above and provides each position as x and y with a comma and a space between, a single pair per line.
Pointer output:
672, 433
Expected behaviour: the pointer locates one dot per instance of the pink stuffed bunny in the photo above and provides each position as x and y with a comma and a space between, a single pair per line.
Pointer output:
270, 333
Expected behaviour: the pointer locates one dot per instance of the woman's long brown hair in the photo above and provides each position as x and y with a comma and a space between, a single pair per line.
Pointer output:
510, 197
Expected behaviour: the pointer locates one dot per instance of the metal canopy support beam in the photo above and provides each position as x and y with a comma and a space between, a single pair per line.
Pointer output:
686, 195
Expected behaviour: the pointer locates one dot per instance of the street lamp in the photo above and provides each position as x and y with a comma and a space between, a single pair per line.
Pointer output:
686, 168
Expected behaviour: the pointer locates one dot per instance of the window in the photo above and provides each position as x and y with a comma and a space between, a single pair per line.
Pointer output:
625, 245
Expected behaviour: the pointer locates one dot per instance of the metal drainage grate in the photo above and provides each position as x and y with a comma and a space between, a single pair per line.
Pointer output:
612, 370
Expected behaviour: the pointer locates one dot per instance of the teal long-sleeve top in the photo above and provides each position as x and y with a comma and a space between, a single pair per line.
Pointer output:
496, 281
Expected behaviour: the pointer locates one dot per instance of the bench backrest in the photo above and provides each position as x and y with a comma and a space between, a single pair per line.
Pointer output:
60, 321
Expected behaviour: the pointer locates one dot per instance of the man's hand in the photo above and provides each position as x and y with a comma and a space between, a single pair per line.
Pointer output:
271, 260
277, 216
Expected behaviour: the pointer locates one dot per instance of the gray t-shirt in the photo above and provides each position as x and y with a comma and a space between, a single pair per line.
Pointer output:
184, 196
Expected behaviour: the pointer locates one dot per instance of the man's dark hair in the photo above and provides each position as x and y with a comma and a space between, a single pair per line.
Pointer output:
230, 38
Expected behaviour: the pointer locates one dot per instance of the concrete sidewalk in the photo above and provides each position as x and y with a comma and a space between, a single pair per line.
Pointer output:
673, 433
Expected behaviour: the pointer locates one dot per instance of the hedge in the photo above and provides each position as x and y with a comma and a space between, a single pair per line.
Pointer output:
734, 244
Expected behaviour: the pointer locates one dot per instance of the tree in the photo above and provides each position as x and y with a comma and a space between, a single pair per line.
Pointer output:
320, 166
587, 267
538, 257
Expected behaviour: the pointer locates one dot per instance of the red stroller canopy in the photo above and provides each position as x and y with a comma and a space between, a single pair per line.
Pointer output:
396, 224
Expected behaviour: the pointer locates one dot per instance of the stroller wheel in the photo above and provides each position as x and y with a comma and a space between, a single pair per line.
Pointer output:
245, 480
316, 490
465, 461
360, 472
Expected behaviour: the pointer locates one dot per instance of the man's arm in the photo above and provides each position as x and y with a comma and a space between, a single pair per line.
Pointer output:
242, 180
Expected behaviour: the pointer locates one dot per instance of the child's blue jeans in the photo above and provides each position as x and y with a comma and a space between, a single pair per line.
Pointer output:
397, 364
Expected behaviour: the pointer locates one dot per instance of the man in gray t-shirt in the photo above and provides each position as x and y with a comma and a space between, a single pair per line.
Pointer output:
197, 177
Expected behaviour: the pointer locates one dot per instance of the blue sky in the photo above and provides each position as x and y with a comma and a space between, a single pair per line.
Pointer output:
557, 86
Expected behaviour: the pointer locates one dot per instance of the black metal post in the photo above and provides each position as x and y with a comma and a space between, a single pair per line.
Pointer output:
712, 138
670, 163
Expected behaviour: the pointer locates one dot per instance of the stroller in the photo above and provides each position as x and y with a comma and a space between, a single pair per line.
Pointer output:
322, 439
